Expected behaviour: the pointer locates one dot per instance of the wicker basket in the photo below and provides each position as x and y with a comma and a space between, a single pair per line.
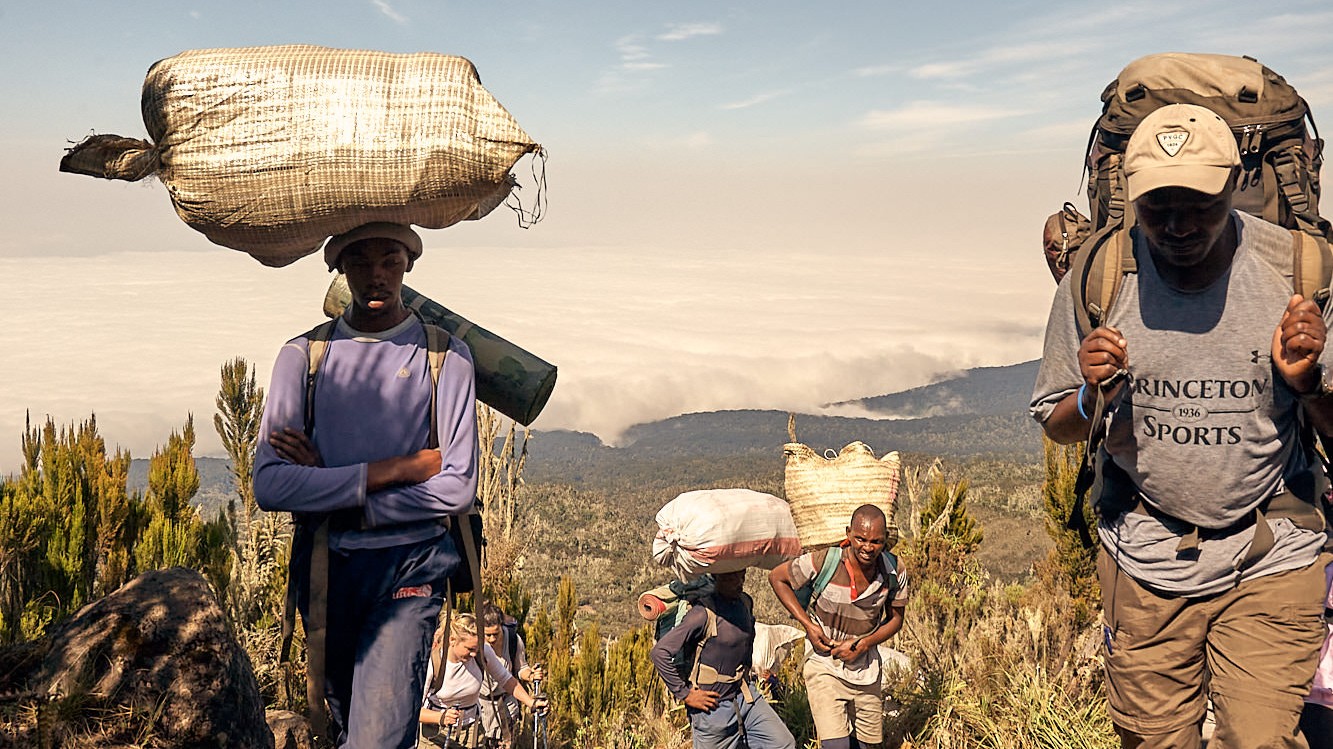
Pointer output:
824, 492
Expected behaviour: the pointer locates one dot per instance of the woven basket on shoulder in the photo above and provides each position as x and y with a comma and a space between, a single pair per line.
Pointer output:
824, 492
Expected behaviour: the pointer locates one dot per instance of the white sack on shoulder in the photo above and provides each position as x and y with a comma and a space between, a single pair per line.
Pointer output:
724, 530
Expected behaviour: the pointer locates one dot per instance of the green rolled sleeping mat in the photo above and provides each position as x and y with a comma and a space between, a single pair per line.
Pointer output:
511, 380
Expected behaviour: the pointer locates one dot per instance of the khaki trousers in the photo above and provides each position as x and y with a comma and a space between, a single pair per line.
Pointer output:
840, 709
1252, 649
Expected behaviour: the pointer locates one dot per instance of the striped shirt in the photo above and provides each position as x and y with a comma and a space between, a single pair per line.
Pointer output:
843, 617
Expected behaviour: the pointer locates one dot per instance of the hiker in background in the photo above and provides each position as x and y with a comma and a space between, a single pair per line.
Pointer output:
860, 606
362, 463
450, 712
1317, 715
499, 709
720, 694
1207, 365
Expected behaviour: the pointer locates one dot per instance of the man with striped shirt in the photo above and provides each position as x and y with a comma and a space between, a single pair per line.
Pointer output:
861, 606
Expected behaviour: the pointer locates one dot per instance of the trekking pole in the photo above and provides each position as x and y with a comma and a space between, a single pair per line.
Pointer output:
449, 734
539, 732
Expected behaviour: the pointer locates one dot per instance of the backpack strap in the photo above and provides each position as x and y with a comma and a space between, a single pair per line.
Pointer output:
316, 623
317, 345
710, 631
511, 640
890, 566
1287, 172
437, 349
1099, 271
1311, 267
827, 570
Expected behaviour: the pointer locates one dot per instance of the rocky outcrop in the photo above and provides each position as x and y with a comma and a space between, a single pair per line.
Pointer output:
290, 730
153, 663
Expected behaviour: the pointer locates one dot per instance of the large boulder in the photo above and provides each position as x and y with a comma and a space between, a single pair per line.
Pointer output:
158, 648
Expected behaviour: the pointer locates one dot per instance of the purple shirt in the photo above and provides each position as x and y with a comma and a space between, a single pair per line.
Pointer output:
372, 401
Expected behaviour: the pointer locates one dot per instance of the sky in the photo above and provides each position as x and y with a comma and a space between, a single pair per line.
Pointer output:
771, 204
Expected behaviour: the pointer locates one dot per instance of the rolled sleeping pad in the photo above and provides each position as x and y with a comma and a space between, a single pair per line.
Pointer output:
651, 605
511, 380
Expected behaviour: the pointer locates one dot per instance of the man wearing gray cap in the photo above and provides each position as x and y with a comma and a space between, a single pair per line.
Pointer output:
371, 441
1204, 372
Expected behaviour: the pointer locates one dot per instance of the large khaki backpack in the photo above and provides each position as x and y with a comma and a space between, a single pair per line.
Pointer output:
1279, 181
1280, 161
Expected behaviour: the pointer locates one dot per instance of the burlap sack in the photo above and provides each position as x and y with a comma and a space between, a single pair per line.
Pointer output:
269, 150
823, 492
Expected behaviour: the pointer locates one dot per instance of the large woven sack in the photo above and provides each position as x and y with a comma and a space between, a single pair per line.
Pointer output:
824, 492
269, 150
724, 530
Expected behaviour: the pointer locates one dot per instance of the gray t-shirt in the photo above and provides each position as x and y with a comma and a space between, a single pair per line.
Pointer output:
1207, 428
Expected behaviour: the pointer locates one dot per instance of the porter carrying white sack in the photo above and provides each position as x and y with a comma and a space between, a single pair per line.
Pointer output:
724, 530
269, 150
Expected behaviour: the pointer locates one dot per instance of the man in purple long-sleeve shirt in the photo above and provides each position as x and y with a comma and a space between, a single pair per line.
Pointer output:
368, 466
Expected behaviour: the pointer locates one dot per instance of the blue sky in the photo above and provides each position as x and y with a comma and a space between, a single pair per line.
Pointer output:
752, 205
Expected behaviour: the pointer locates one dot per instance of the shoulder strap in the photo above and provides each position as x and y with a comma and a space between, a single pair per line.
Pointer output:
1311, 267
317, 346
710, 631
511, 632
1099, 271
826, 571
437, 348
890, 565
437, 663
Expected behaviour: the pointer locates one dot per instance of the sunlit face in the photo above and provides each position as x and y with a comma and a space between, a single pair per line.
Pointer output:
867, 539
493, 634
462, 647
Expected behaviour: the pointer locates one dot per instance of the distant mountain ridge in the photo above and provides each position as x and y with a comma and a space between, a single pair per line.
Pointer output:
981, 412
983, 390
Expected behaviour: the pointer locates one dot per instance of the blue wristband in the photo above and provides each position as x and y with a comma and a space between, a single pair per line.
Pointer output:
1081, 390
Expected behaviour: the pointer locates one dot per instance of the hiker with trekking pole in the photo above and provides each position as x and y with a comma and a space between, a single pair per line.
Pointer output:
1200, 391
451, 712
499, 709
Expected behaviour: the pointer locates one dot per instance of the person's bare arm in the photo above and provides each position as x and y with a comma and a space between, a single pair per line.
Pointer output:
780, 580
1102, 357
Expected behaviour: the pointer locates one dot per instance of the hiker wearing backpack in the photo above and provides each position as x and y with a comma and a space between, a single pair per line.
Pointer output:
373, 448
1198, 389
499, 709
451, 709
855, 594
715, 682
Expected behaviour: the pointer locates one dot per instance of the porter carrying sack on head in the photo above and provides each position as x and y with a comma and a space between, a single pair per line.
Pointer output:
269, 150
